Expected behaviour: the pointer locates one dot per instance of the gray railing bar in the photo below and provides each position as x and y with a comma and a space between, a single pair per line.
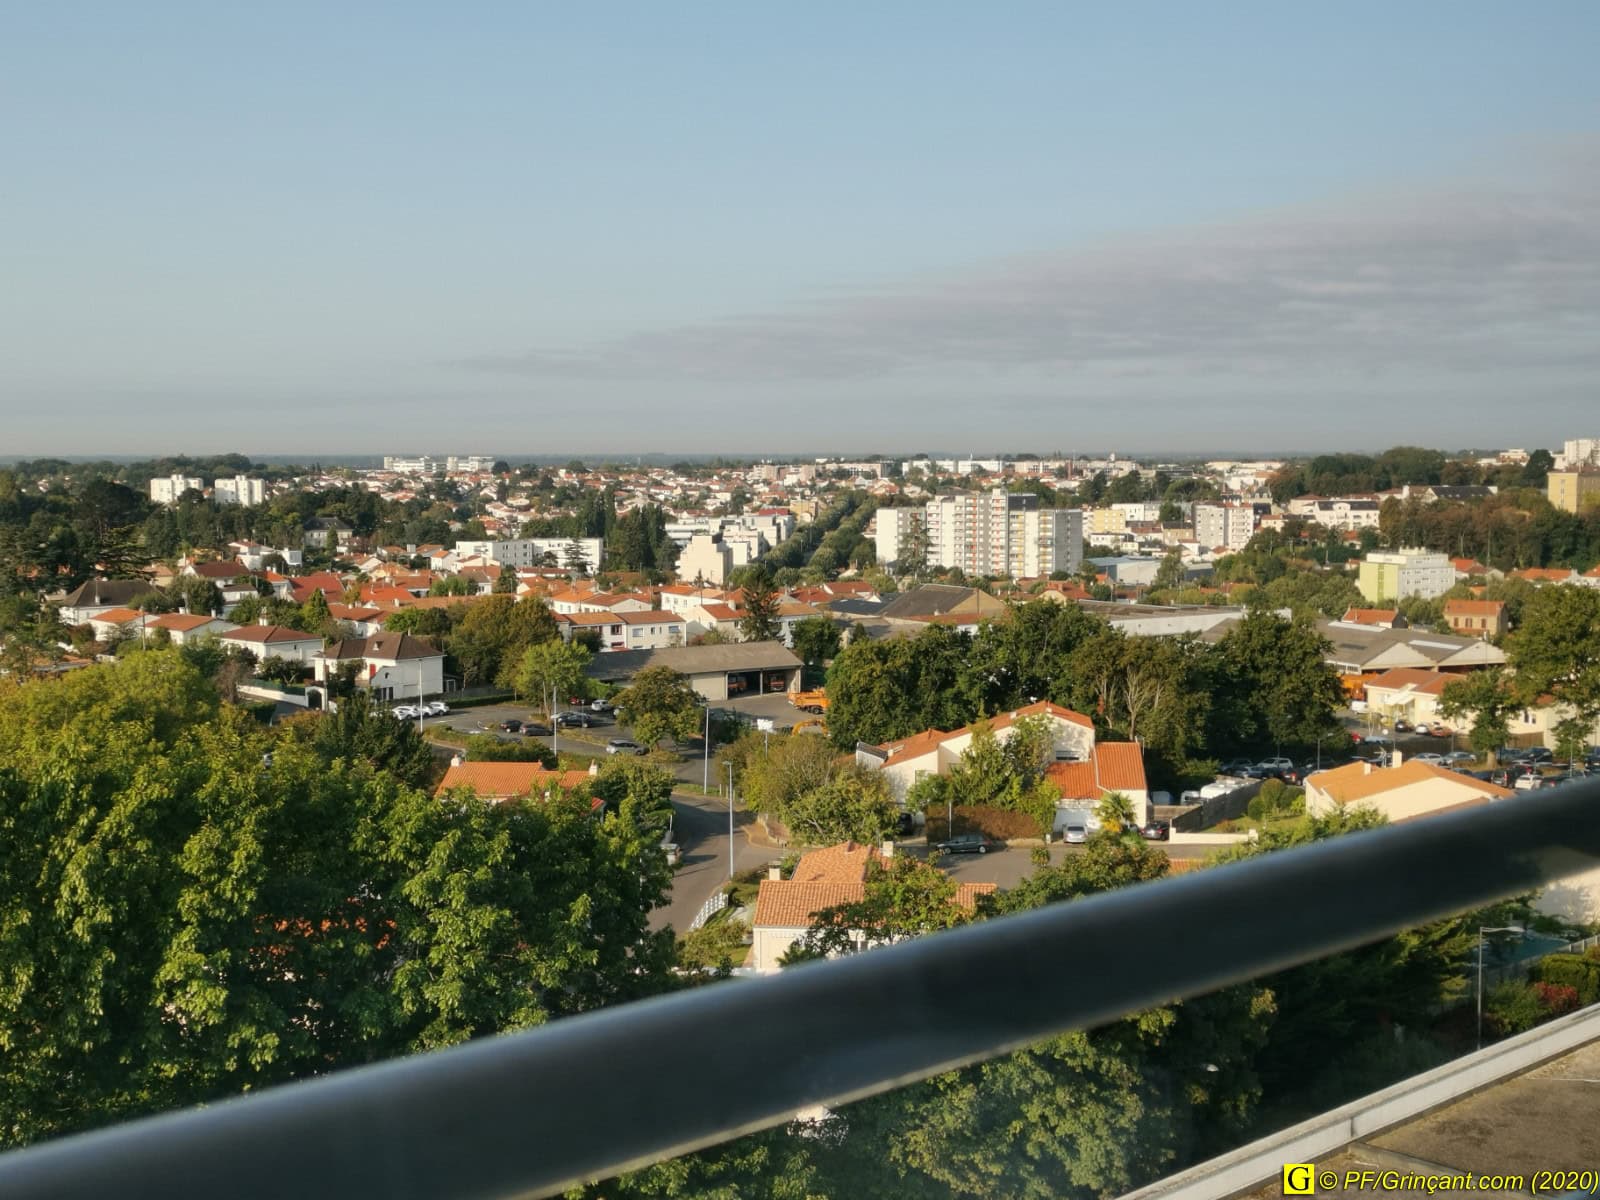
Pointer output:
532, 1113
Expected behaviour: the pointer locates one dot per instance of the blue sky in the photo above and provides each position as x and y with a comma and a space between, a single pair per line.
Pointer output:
781, 228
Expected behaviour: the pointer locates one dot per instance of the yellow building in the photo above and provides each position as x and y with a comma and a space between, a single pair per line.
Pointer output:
1574, 491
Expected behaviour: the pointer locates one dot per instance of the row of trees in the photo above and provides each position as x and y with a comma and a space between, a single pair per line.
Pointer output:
1263, 687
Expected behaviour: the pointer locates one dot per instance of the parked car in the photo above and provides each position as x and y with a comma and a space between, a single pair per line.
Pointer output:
602, 706
904, 825
1236, 768
511, 725
1076, 835
1532, 783
968, 843
1401, 725
435, 708
1460, 756
1429, 757
404, 712
623, 746
534, 729
1156, 831
1539, 755
574, 720
1275, 766
1439, 729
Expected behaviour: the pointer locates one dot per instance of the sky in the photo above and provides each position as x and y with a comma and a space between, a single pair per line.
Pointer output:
830, 226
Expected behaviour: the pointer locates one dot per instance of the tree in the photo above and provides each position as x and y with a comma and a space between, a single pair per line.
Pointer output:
902, 898
1485, 696
505, 583
360, 731
816, 639
660, 703
549, 669
1276, 689
196, 905
1556, 649
851, 804
1170, 573
577, 561
1116, 813
760, 620
314, 616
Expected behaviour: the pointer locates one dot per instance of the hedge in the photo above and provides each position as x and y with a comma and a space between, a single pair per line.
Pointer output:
1001, 823
479, 701
1571, 970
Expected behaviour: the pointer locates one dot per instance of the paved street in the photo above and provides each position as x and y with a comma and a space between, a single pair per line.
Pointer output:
700, 826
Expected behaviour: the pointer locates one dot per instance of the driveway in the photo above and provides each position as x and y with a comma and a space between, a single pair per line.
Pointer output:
700, 826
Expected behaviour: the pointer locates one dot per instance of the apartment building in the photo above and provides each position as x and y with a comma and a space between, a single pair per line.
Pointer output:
239, 490
1230, 526
168, 489
1574, 490
984, 533
530, 552
1406, 572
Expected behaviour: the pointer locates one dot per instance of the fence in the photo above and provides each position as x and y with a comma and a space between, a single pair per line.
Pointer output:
1494, 973
714, 904
535, 1113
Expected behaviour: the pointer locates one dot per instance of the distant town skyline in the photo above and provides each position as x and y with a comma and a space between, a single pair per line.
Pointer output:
529, 230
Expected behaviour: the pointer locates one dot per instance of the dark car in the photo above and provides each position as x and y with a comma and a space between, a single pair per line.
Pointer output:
511, 725
1540, 755
534, 729
574, 720
905, 825
1156, 831
968, 843
1236, 768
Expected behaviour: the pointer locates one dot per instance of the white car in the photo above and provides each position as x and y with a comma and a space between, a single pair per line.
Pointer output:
1437, 760
405, 712
435, 708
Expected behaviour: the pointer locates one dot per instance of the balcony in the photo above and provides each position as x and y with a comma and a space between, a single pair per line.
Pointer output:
534, 1113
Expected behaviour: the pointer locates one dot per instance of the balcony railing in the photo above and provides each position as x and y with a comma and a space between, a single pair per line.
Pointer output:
530, 1114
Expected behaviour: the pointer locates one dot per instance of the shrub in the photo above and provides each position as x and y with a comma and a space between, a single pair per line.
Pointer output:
1556, 998
999, 823
719, 945
481, 747
1578, 972
1511, 1008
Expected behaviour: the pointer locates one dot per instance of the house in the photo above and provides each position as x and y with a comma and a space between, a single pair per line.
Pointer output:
363, 619
1403, 793
1471, 568
1407, 693
1084, 771
114, 622
232, 579
1540, 576
326, 582
99, 595
273, 641
652, 630
1476, 618
1359, 649
498, 782
821, 879
188, 627
327, 532
392, 665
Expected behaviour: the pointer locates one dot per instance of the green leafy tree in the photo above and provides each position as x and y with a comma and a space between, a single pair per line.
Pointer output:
359, 731
1556, 649
852, 804
1276, 689
505, 583
658, 704
902, 898
551, 669
1486, 698
196, 905
760, 620
816, 640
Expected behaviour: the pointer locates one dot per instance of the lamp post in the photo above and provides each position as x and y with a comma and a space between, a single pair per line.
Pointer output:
730, 820
705, 777
1483, 929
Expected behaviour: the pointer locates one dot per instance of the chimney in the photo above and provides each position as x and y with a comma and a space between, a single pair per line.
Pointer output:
455, 760
888, 849
1396, 758
775, 873
594, 766
261, 621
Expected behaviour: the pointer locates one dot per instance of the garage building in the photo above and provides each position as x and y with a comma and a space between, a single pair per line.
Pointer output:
717, 672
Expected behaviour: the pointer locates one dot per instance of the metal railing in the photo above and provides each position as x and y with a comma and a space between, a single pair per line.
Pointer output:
530, 1114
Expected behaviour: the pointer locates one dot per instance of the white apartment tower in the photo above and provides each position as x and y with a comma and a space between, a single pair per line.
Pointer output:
239, 490
985, 533
167, 490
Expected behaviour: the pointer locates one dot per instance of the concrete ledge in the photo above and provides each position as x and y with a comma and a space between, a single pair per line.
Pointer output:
1262, 1161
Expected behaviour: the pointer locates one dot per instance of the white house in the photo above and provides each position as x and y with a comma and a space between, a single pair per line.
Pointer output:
1412, 789
188, 627
393, 665
96, 596
652, 630
274, 641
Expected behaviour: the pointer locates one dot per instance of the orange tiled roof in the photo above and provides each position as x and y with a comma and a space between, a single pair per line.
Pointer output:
1371, 616
182, 622
922, 743
824, 878
1357, 781
655, 616
1474, 608
118, 616
1121, 766
1429, 683
505, 780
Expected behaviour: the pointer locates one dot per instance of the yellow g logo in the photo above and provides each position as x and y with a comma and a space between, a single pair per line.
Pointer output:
1299, 1180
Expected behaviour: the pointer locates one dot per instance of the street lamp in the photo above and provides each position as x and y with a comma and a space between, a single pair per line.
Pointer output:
705, 776
1483, 929
730, 820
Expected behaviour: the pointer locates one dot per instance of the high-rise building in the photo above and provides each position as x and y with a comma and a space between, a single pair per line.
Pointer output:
554, 552
471, 464
167, 490
239, 490
1226, 526
983, 533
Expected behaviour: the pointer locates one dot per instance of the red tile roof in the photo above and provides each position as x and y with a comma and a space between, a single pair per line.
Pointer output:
1429, 683
824, 878
181, 622
507, 780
